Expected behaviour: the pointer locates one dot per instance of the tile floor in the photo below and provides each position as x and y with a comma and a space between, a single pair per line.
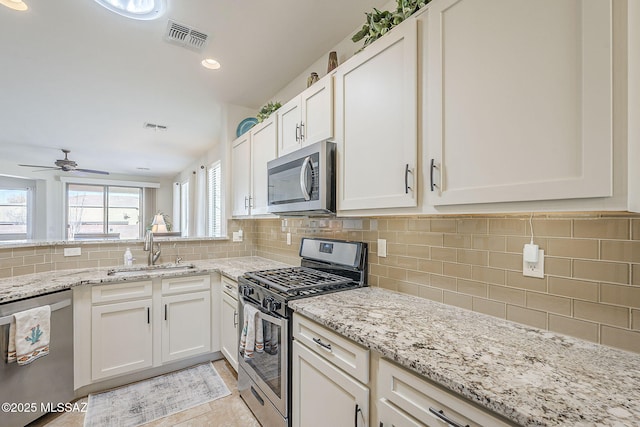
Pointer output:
229, 411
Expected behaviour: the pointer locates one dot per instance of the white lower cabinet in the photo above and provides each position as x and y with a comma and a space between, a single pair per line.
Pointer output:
405, 399
323, 395
326, 369
121, 338
128, 327
229, 322
186, 326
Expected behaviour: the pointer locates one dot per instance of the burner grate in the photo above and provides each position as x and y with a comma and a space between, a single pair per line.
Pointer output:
297, 279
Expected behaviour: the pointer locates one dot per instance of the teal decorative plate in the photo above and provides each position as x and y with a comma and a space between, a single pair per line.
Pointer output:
245, 125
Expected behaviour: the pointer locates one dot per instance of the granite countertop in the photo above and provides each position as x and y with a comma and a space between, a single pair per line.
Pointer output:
31, 285
530, 376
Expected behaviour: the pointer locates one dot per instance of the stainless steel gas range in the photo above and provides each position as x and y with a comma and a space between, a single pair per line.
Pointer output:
264, 356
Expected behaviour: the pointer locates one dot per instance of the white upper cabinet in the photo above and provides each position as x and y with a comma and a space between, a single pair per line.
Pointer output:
518, 100
306, 119
263, 149
376, 123
241, 174
249, 156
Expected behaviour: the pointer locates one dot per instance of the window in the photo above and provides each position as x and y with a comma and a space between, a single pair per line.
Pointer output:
15, 204
103, 211
214, 198
184, 208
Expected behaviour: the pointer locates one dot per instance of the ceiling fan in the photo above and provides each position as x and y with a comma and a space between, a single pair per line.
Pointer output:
66, 165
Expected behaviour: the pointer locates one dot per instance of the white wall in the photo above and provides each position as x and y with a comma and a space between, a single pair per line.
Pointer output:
634, 105
232, 115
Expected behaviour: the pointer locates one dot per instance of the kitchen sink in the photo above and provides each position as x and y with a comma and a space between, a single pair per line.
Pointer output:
160, 268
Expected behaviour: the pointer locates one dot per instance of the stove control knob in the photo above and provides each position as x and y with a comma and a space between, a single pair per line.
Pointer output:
246, 291
275, 306
267, 304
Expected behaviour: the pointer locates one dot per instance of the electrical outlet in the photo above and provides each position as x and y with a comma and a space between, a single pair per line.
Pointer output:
237, 236
382, 248
72, 251
534, 269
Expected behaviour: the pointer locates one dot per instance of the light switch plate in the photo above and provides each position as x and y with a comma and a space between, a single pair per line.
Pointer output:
237, 236
382, 248
72, 251
289, 239
534, 269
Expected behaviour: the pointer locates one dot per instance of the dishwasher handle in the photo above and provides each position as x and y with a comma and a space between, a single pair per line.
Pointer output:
57, 306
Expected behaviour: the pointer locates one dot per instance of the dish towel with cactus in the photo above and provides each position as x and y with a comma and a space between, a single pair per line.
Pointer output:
29, 335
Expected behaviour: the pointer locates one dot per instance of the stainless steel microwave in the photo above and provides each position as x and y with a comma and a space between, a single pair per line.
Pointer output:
303, 182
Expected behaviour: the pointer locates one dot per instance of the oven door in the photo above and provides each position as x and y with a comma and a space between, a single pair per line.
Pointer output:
268, 368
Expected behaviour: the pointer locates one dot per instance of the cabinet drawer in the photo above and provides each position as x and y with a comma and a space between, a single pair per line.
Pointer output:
230, 287
390, 416
342, 352
121, 291
421, 399
179, 285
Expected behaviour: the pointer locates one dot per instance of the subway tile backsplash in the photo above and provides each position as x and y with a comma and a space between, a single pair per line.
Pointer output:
591, 287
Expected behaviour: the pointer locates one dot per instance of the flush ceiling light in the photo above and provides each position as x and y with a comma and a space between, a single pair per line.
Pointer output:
135, 9
15, 4
211, 64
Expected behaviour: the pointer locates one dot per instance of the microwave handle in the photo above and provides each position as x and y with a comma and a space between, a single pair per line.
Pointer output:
303, 178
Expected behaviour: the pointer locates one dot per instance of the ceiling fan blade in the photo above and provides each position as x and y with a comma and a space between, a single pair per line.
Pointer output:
40, 166
89, 171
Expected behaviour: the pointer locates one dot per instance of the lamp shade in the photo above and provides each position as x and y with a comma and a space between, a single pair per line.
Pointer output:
158, 225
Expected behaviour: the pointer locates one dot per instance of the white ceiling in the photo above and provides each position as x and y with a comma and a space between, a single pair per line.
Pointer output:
77, 76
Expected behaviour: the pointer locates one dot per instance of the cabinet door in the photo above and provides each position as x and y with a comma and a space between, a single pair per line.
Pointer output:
519, 100
121, 338
317, 111
289, 127
263, 149
323, 395
186, 325
230, 329
240, 174
376, 123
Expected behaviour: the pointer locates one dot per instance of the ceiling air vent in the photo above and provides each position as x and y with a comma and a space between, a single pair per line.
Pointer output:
185, 36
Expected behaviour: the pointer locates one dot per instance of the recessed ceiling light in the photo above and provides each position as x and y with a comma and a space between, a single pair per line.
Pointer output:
143, 169
136, 9
211, 64
15, 4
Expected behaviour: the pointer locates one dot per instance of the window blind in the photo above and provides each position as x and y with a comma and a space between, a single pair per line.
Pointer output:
214, 198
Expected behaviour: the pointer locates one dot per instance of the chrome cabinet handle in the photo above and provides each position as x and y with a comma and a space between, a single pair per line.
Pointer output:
250, 201
440, 414
303, 177
235, 318
301, 131
229, 287
246, 200
321, 344
298, 138
407, 171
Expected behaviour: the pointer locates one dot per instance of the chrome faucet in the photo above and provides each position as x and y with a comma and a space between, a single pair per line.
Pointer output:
148, 246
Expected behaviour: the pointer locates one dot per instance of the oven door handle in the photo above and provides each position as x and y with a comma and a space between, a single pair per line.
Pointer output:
264, 316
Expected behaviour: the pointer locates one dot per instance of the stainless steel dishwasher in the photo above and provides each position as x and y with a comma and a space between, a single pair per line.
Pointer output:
46, 381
